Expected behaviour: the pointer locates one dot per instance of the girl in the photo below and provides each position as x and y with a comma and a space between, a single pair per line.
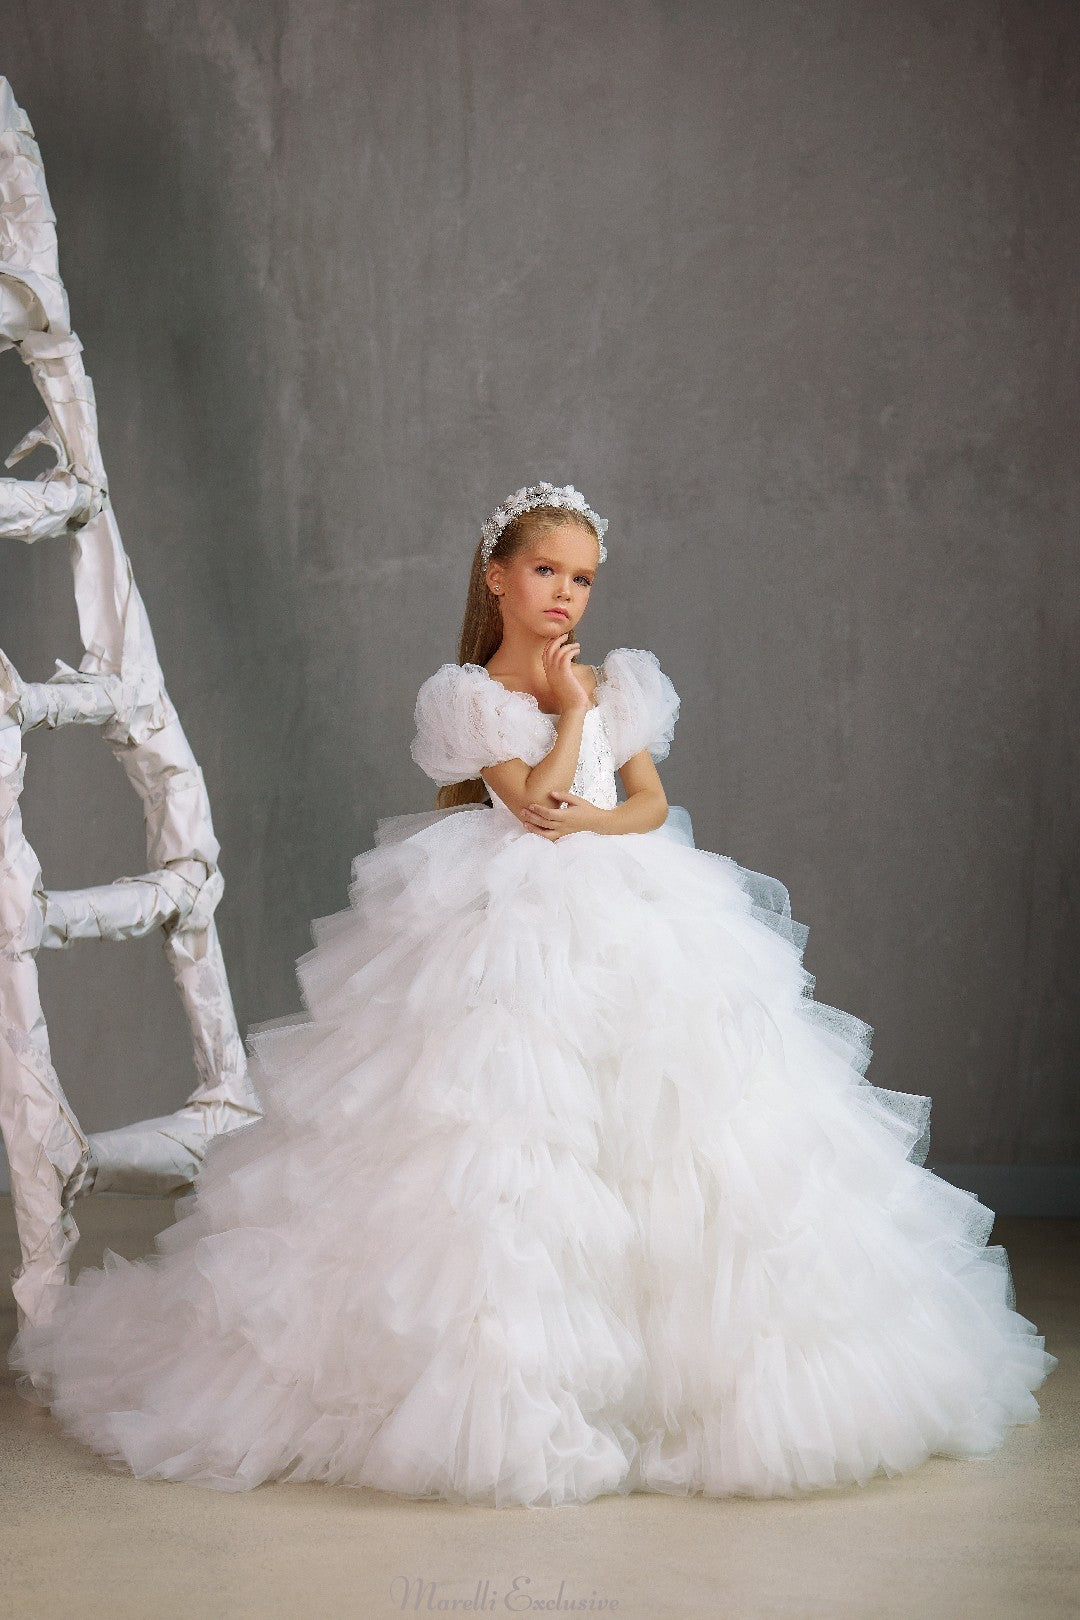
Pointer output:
565, 1184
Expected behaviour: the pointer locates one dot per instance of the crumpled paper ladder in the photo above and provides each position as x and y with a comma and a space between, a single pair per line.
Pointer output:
118, 687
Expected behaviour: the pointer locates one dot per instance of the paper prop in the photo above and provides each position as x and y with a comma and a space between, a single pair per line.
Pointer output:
119, 688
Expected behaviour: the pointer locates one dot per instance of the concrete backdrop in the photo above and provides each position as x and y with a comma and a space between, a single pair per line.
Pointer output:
786, 289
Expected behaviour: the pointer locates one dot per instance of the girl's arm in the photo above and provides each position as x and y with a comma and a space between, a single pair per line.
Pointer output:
645, 805
519, 785
644, 808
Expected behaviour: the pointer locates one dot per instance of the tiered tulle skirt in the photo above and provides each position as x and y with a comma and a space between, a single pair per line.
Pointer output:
566, 1185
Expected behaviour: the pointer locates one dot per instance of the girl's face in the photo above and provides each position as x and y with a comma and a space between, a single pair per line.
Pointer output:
545, 587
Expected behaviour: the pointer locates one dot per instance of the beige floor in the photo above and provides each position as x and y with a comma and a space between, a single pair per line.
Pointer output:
991, 1540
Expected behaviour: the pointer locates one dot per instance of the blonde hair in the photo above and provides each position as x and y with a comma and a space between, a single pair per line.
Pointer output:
481, 630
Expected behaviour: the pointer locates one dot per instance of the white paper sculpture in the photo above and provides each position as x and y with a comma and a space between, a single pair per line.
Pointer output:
118, 687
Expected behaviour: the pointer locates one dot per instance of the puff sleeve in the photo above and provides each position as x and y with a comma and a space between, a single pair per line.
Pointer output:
640, 704
466, 721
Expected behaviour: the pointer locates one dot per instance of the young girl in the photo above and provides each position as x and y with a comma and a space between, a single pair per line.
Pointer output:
565, 1184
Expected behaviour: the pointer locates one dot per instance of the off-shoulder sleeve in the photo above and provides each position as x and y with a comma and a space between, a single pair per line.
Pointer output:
466, 721
639, 702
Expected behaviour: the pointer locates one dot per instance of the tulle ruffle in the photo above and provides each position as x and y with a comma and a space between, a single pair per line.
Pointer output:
566, 1185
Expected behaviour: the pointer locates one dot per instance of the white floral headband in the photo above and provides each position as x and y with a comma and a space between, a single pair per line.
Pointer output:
542, 494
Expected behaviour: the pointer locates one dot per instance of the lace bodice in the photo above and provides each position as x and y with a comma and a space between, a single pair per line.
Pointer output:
466, 720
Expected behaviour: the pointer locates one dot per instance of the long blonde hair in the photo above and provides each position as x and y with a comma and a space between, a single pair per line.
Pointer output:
481, 631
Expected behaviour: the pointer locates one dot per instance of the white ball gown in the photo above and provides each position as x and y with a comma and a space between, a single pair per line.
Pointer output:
565, 1185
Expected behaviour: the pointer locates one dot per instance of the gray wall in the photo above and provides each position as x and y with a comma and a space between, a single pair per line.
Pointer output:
788, 290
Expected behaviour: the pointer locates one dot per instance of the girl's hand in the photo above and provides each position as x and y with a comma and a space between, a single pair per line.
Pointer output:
566, 815
558, 656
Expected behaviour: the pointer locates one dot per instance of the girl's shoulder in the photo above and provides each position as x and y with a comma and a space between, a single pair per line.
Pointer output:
623, 663
639, 701
466, 720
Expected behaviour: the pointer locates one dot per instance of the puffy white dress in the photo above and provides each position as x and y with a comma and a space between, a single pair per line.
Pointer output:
565, 1185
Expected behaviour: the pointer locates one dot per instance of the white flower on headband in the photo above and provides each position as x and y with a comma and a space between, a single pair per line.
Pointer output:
542, 494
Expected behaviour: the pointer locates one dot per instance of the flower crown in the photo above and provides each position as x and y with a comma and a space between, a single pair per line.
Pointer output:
542, 494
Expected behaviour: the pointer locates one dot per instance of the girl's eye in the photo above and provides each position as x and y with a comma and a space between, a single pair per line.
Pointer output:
583, 578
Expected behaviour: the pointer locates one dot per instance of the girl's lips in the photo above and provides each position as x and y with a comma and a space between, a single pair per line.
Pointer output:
557, 613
